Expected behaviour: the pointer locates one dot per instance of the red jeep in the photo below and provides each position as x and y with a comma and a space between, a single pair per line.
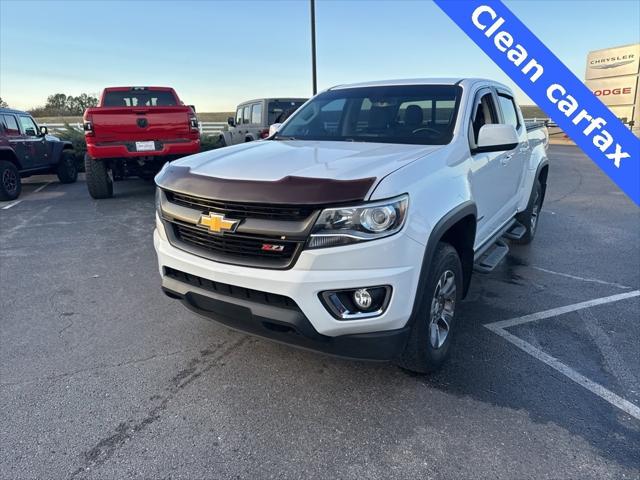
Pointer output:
133, 132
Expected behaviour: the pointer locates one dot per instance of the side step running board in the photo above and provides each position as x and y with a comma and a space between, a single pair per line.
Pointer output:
492, 257
516, 232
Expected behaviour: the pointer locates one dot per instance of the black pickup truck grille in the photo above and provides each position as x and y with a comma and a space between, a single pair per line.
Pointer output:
239, 245
249, 247
240, 211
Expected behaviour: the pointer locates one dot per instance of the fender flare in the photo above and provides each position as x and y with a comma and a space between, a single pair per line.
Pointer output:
13, 157
226, 137
444, 224
57, 148
543, 163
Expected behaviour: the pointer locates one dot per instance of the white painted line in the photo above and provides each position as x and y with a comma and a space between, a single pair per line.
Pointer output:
13, 204
615, 400
6, 207
582, 279
554, 312
41, 187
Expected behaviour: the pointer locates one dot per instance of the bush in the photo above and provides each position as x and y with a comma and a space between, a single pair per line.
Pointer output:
210, 142
72, 135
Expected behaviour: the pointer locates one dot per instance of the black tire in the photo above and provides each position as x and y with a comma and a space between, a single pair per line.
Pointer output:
530, 218
67, 170
10, 184
99, 181
425, 352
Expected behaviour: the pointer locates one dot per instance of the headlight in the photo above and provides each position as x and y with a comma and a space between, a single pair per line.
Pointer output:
369, 221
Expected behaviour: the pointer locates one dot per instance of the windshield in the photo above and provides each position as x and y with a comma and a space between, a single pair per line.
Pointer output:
414, 114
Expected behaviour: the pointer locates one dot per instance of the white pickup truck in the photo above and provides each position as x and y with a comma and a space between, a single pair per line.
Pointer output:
355, 228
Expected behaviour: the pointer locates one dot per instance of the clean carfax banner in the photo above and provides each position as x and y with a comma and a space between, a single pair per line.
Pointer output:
554, 88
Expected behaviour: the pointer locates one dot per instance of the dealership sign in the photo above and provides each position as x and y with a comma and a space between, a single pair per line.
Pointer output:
615, 91
542, 76
613, 62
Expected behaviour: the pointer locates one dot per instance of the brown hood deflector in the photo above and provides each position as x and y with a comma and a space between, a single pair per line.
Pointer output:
288, 190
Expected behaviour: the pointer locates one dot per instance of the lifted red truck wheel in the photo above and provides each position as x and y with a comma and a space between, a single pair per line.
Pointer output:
99, 180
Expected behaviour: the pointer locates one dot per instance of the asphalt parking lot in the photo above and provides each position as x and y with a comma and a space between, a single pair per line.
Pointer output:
103, 377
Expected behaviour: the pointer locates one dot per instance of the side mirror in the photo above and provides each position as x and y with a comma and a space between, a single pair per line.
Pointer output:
496, 138
193, 107
231, 121
273, 129
44, 130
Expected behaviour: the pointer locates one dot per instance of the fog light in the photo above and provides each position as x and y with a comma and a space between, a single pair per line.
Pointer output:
362, 297
357, 303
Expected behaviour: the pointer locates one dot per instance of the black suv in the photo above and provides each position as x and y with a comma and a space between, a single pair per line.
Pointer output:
27, 150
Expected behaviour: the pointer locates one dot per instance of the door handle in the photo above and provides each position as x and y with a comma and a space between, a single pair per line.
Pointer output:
505, 159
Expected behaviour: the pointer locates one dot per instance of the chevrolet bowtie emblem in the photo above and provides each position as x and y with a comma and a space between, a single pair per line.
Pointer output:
217, 223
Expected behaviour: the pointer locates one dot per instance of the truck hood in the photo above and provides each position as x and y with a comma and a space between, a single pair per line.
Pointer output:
275, 160
289, 172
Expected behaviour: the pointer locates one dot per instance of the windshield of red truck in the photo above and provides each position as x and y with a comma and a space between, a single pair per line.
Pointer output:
142, 98
413, 114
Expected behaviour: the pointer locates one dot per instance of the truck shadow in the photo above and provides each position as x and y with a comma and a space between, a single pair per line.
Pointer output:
133, 188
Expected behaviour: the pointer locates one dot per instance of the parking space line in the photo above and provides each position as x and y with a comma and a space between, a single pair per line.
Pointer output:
6, 207
582, 279
607, 395
554, 312
13, 204
499, 329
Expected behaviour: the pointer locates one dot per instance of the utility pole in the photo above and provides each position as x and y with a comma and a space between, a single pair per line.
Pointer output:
313, 46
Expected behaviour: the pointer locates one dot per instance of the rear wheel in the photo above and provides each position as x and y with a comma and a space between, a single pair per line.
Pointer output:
434, 324
99, 181
10, 185
530, 218
67, 169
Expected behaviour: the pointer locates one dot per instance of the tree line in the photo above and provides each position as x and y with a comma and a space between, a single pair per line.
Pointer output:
60, 105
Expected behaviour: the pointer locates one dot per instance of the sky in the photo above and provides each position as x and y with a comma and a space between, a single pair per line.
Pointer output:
217, 54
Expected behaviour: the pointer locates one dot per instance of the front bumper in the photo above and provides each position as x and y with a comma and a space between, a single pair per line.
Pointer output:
390, 261
283, 323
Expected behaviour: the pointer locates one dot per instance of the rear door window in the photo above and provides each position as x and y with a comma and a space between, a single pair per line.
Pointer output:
139, 98
10, 125
256, 113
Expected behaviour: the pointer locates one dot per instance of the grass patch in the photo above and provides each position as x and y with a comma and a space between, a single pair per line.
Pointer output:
532, 111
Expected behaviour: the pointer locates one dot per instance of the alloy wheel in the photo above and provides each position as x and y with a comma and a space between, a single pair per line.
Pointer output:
9, 181
442, 309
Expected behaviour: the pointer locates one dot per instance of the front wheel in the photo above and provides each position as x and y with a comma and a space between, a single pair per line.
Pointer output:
67, 169
434, 323
10, 184
530, 218
99, 181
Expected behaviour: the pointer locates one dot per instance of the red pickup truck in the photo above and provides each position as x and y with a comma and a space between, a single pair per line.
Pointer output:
132, 132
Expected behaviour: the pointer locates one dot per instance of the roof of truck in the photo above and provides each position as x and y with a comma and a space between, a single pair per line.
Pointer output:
419, 81
277, 99
14, 111
140, 87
